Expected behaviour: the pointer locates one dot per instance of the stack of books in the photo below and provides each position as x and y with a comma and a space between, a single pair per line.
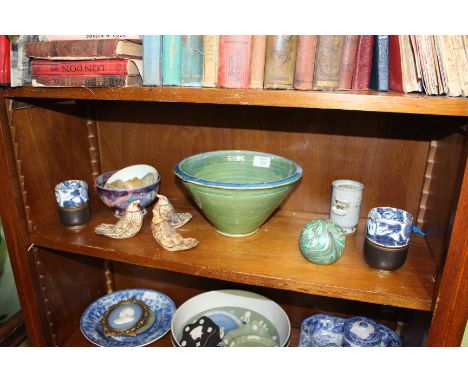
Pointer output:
86, 61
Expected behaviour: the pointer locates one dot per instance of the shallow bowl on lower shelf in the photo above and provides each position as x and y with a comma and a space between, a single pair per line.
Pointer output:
238, 190
246, 306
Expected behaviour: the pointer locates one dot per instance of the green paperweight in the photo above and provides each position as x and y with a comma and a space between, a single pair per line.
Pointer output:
322, 241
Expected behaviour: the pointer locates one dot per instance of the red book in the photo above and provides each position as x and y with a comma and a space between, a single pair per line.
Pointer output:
86, 67
4, 60
234, 61
395, 79
362, 71
305, 60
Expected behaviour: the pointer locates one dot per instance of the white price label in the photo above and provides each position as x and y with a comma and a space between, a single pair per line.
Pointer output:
261, 161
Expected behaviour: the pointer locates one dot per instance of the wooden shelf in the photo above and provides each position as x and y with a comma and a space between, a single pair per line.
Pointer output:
345, 100
269, 258
77, 339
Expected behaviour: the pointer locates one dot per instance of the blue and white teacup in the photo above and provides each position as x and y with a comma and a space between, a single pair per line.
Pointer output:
389, 227
71, 193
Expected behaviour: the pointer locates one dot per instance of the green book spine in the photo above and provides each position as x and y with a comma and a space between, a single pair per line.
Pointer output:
171, 60
192, 60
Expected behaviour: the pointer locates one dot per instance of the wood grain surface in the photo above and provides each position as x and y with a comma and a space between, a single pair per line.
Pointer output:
346, 100
270, 258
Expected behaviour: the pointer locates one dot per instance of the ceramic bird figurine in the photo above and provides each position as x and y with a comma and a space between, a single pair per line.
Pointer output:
167, 236
168, 213
128, 225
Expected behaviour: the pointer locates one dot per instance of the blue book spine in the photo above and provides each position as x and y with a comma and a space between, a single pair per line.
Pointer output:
192, 60
171, 60
380, 64
152, 49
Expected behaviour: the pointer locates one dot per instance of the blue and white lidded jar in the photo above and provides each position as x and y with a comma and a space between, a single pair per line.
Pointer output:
361, 332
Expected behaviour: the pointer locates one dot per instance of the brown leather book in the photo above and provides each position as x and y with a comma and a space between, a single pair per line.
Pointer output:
82, 49
257, 66
280, 61
234, 61
362, 70
348, 62
328, 62
305, 61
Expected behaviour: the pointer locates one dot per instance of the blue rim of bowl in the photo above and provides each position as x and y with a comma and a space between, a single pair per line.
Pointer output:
277, 183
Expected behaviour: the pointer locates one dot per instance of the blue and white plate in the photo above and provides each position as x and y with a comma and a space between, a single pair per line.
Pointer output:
161, 305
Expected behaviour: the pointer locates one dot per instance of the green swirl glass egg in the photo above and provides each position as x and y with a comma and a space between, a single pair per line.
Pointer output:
322, 241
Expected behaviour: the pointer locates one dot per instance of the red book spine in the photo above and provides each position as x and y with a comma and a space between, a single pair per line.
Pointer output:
234, 61
395, 79
75, 68
362, 71
4, 60
348, 62
305, 61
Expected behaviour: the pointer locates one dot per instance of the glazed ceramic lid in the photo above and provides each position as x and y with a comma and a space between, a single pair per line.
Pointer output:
361, 331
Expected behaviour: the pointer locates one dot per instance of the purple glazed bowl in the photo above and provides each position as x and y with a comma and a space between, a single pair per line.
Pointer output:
119, 200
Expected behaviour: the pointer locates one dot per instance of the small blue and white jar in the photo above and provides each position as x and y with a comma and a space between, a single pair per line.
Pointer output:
73, 203
361, 332
72, 193
389, 227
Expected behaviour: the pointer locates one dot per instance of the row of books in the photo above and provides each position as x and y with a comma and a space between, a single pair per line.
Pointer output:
435, 65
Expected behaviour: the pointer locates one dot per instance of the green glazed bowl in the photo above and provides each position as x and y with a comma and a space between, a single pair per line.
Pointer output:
238, 190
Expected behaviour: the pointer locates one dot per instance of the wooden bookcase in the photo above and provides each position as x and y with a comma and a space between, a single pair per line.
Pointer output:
408, 150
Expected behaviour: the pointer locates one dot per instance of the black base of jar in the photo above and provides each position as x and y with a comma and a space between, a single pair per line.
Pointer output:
74, 217
383, 258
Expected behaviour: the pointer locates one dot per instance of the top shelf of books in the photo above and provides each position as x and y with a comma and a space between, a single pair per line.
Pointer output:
343, 100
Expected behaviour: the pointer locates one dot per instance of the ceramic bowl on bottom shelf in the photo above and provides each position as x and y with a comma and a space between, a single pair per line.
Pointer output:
247, 306
119, 199
238, 190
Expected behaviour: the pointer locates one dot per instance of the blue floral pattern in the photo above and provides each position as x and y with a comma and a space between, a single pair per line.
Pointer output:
71, 193
322, 330
161, 305
389, 227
